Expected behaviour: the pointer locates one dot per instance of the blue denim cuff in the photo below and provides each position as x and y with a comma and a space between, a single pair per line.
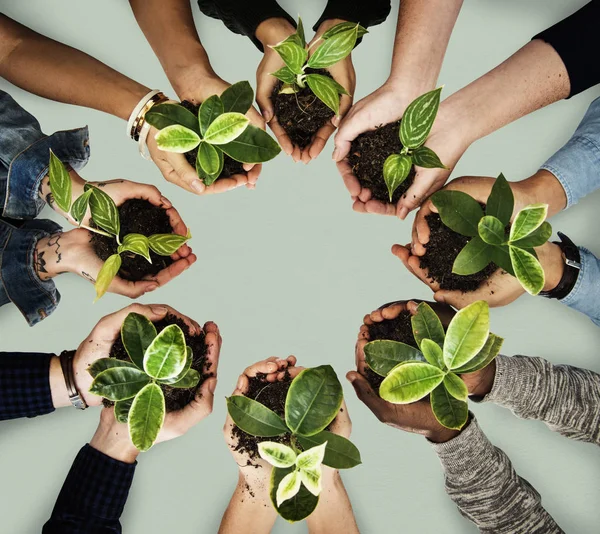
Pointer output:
585, 295
29, 167
35, 298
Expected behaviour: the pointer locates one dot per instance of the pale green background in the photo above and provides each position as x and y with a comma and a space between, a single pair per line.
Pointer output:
290, 269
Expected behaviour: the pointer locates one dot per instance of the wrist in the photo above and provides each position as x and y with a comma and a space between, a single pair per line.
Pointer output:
190, 73
443, 435
480, 383
272, 31
48, 260
551, 258
58, 387
543, 187
112, 438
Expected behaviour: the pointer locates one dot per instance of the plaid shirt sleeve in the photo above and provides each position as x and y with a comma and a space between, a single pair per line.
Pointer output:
24, 385
93, 496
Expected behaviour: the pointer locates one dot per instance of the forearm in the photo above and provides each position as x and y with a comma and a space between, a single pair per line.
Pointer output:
566, 398
366, 14
29, 60
483, 484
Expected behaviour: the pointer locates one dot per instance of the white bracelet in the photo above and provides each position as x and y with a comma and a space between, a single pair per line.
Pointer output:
137, 109
144, 152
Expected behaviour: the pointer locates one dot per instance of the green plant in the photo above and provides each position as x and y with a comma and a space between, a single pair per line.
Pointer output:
134, 384
415, 126
511, 250
339, 41
105, 216
312, 403
432, 369
221, 127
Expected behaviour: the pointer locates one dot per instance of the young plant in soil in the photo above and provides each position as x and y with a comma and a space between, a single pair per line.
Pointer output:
490, 239
312, 402
134, 385
308, 96
107, 222
218, 129
392, 150
433, 368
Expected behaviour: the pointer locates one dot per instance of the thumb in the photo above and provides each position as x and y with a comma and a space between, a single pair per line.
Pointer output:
347, 132
186, 175
202, 405
263, 97
365, 393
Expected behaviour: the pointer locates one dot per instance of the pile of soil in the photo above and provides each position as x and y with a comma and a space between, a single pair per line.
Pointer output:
230, 166
301, 114
137, 217
368, 153
175, 398
398, 329
443, 248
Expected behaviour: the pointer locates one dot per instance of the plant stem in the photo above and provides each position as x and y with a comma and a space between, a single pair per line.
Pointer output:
96, 231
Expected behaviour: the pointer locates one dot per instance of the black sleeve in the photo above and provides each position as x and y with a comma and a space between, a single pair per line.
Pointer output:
365, 12
576, 40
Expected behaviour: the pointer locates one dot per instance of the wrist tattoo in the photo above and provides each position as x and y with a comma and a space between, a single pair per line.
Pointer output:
54, 242
88, 277
39, 263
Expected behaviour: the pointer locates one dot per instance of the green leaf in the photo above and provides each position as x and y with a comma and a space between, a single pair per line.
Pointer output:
311, 479
252, 146
177, 138
313, 400
119, 383
146, 416
334, 49
166, 355
340, 453
288, 487
293, 55
326, 90
285, 75
491, 230
427, 325
167, 244
410, 382
60, 183
210, 179
163, 115
225, 128
311, 458
288, 89
419, 118
427, 158
80, 206
300, 33
107, 273
501, 257
433, 353
104, 210
536, 238
458, 211
121, 410
189, 381
466, 335
136, 243
475, 256
529, 219
254, 418
528, 270
501, 202
209, 159
456, 387
238, 98
106, 363
189, 358
383, 355
298, 507
485, 356
277, 454
137, 333
343, 27
396, 169
449, 412
210, 109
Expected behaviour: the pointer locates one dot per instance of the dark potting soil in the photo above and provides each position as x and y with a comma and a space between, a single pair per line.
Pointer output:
175, 398
230, 166
368, 153
443, 248
301, 114
137, 217
398, 329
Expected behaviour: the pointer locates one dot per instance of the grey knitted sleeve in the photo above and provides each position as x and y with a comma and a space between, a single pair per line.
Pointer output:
482, 482
566, 398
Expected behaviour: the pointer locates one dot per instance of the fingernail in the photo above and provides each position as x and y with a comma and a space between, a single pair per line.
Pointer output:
212, 385
159, 310
439, 298
268, 116
335, 154
166, 202
198, 186
403, 213
336, 121
151, 287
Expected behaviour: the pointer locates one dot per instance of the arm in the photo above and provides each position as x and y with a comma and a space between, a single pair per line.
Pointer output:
366, 14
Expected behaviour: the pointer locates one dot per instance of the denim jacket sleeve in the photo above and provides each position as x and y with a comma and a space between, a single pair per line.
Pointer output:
24, 155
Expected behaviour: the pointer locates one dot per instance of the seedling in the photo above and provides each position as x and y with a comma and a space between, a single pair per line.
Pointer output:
433, 369
312, 403
339, 41
134, 385
105, 216
511, 250
221, 127
415, 126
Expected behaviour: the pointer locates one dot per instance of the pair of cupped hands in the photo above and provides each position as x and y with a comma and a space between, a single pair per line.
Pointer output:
416, 417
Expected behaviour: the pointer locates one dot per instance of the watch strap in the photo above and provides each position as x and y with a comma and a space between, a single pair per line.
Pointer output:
572, 260
66, 363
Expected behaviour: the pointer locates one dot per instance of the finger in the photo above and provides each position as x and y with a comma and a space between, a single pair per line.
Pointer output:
173, 270
130, 289
380, 208
263, 367
364, 195
393, 311
147, 192
425, 183
113, 322
200, 407
282, 137
297, 154
350, 180
242, 385
421, 274
295, 371
222, 185
182, 174
365, 393
320, 140
264, 90
253, 175
256, 118
363, 332
421, 230
359, 206
349, 129
359, 355
179, 228
213, 351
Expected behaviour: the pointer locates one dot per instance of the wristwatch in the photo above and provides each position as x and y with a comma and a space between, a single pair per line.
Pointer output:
572, 258
66, 364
